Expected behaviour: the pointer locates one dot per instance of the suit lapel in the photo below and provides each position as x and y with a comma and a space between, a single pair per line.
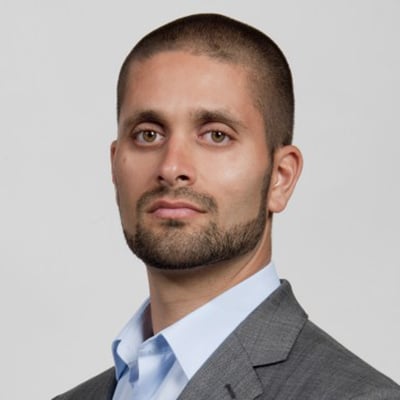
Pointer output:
265, 337
105, 386
228, 374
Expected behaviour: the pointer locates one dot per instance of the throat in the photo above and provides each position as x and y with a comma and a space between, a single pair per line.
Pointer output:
176, 293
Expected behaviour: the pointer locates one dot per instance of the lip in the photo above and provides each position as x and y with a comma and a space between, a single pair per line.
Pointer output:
169, 209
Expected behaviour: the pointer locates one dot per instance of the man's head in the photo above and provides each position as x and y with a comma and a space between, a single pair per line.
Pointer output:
229, 41
196, 179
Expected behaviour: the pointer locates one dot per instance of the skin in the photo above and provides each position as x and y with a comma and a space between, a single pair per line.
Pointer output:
183, 123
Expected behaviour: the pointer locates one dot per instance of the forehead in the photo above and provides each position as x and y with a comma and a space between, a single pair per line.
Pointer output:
179, 80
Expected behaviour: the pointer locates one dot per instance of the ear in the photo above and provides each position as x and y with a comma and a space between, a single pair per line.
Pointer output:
113, 149
288, 163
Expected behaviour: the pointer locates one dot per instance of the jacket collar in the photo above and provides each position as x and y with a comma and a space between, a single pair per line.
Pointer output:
265, 337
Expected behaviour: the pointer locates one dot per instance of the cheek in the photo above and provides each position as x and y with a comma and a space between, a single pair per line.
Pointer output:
127, 179
245, 191
240, 170
237, 186
127, 184
129, 174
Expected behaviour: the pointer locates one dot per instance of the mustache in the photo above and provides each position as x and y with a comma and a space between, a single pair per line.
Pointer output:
205, 201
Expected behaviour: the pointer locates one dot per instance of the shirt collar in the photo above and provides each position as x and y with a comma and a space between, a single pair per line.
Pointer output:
126, 345
196, 336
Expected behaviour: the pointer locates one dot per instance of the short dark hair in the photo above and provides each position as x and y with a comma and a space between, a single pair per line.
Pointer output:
228, 40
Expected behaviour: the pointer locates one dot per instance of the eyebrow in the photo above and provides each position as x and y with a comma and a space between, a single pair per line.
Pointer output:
204, 116
200, 116
140, 116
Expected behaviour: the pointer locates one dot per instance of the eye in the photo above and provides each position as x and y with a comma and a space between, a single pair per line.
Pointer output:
217, 137
148, 137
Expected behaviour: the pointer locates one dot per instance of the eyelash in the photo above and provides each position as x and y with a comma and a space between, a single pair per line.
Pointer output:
138, 136
226, 137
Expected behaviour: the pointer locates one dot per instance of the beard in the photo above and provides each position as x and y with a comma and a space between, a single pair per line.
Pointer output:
173, 248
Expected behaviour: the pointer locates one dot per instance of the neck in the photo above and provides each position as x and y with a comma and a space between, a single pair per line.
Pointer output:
176, 293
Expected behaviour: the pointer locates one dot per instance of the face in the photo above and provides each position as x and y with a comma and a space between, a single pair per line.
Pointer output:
191, 165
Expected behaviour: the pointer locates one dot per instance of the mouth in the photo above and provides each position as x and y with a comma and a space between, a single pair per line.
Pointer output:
174, 209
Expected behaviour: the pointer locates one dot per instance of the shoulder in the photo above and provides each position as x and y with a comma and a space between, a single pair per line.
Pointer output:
320, 367
295, 359
100, 387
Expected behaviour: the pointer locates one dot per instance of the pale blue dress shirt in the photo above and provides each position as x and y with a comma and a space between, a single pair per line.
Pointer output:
159, 367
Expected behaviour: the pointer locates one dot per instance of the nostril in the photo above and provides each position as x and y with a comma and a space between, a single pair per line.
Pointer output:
164, 180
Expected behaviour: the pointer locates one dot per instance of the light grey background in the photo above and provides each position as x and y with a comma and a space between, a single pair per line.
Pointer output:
68, 283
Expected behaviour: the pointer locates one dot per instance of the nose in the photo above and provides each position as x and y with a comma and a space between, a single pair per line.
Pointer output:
177, 166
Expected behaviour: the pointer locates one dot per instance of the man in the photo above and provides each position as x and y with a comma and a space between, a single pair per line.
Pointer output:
202, 161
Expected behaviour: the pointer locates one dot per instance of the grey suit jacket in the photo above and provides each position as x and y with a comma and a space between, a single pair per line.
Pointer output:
275, 353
